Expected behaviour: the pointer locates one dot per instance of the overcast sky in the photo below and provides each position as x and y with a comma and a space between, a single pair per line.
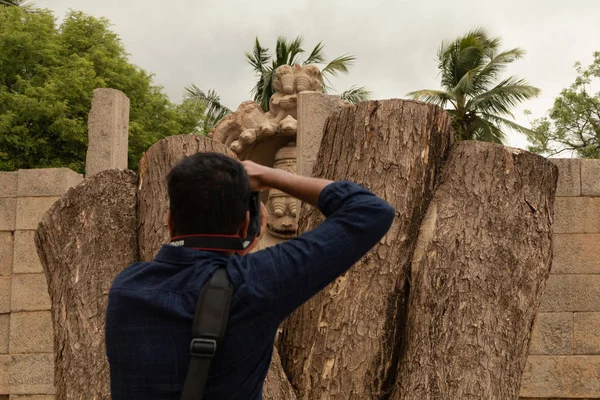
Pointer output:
203, 42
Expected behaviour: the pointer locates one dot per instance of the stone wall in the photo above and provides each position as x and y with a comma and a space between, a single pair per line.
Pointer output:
564, 361
26, 337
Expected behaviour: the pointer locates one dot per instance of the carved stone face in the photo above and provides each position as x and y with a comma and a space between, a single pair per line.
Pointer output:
283, 216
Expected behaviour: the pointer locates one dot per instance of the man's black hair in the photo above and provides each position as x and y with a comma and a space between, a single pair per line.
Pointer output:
209, 194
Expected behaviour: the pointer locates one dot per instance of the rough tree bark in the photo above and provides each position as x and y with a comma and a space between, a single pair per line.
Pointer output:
478, 273
153, 200
84, 241
345, 342
153, 205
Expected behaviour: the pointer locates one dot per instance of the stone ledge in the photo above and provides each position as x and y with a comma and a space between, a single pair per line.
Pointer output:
561, 377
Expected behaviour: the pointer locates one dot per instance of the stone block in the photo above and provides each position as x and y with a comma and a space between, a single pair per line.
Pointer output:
577, 215
30, 211
575, 293
576, 253
590, 177
552, 334
29, 293
31, 332
569, 176
46, 182
5, 362
4, 332
8, 184
586, 333
8, 212
26, 260
313, 110
108, 125
32, 397
561, 377
7, 244
5, 283
31, 373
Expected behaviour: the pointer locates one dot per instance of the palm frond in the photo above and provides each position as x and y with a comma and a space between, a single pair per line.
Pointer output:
336, 66
499, 121
507, 94
356, 94
316, 55
488, 74
438, 97
259, 57
215, 111
281, 52
294, 49
480, 129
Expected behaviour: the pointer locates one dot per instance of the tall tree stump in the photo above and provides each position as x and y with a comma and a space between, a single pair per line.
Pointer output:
478, 274
84, 241
345, 342
153, 199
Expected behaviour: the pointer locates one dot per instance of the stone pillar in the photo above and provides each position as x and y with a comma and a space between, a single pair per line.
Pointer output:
108, 125
313, 110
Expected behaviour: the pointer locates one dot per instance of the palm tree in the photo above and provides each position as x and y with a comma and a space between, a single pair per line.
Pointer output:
287, 52
16, 3
215, 111
470, 67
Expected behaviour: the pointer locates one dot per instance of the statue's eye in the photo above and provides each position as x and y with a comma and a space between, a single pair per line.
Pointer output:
293, 209
279, 210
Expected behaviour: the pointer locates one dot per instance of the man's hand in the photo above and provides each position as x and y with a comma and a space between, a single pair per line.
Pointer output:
256, 174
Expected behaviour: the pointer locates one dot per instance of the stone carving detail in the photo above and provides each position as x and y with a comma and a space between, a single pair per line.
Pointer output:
283, 209
247, 127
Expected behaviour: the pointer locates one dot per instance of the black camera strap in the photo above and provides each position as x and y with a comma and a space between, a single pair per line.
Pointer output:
208, 331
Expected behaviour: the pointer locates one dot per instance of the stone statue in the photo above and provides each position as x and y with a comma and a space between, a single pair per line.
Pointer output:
270, 139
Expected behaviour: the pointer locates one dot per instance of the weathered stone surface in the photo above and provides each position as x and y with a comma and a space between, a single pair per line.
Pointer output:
552, 334
586, 333
26, 260
561, 377
8, 184
569, 176
31, 373
7, 242
577, 215
46, 182
4, 332
5, 362
5, 283
108, 126
29, 293
8, 210
571, 293
576, 253
590, 177
31, 332
313, 110
32, 397
30, 211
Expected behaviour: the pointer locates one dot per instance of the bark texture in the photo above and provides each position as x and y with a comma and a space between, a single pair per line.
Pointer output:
153, 200
84, 241
478, 273
345, 342
277, 386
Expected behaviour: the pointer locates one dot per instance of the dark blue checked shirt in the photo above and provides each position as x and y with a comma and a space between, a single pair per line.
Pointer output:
151, 305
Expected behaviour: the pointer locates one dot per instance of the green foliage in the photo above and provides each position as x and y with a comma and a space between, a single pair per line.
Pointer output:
470, 67
211, 101
288, 52
573, 123
47, 77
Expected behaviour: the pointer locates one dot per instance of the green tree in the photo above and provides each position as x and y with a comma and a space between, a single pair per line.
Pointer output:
573, 122
470, 67
289, 52
47, 77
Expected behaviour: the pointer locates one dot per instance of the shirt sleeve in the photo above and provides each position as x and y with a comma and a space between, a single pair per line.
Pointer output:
290, 273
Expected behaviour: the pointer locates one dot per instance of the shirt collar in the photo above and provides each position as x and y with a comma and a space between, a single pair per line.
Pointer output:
180, 254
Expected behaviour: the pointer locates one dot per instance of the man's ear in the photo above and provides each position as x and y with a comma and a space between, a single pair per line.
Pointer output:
171, 226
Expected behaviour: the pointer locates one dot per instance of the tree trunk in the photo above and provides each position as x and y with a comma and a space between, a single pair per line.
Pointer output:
84, 241
277, 385
345, 342
153, 200
483, 257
